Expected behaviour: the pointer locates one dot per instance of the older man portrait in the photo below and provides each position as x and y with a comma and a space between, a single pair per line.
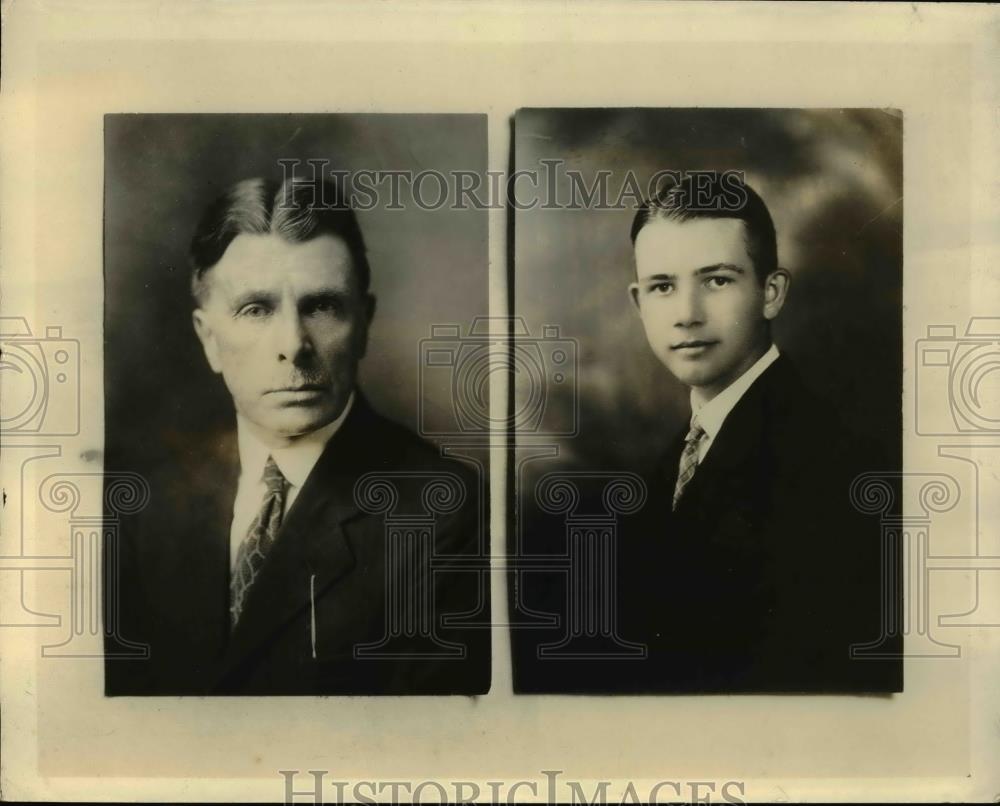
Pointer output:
262, 565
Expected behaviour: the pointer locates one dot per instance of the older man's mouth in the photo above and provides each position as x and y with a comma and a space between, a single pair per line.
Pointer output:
298, 394
300, 387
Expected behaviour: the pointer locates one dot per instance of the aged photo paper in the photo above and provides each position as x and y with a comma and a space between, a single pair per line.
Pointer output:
152, 394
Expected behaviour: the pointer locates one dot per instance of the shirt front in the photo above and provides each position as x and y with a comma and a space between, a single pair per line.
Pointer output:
295, 462
712, 415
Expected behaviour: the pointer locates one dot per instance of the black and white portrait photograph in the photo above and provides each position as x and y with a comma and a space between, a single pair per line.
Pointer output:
729, 287
262, 373
509, 401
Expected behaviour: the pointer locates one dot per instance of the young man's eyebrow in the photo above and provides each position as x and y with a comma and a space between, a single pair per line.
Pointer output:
719, 267
659, 278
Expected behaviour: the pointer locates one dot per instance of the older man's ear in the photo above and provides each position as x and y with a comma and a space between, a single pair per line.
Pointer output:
206, 335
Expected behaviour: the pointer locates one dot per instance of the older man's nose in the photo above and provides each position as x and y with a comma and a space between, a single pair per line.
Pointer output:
291, 337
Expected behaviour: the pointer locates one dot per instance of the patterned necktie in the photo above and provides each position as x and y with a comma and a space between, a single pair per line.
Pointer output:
259, 540
689, 459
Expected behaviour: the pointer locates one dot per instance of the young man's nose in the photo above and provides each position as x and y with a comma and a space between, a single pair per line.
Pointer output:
689, 310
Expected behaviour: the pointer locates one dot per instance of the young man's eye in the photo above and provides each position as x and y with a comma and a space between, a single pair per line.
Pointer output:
718, 281
661, 288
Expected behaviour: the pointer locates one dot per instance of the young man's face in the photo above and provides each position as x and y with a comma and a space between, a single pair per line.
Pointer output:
703, 308
285, 324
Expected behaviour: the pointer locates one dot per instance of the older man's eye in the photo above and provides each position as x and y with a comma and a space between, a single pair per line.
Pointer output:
719, 281
322, 305
661, 288
253, 310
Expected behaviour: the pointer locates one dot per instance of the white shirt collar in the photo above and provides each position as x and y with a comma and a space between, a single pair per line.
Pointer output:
296, 461
712, 414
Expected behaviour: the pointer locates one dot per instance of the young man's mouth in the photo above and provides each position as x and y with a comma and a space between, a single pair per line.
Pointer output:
692, 346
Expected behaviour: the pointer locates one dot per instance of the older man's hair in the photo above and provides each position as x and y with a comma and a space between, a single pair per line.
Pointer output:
294, 209
728, 196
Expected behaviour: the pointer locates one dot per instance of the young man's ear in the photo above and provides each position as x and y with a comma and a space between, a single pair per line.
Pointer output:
633, 292
775, 291
206, 336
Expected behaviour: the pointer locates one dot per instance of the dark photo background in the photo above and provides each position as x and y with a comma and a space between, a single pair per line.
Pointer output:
428, 266
832, 180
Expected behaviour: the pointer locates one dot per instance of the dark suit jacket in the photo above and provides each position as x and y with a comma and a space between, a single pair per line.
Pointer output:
323, 589
765, 575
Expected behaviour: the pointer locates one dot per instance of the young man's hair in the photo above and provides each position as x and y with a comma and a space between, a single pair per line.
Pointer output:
297, 210
714, 195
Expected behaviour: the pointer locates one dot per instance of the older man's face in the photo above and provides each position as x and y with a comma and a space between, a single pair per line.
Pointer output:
285, 324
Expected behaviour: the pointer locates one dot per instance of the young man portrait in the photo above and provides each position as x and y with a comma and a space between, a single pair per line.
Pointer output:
762, 576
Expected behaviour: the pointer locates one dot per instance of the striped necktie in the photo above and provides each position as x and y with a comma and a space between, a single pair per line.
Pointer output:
689, 459
259, 540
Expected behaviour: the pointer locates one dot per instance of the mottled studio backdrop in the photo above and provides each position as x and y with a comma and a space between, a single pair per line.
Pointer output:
832, 180
428, 266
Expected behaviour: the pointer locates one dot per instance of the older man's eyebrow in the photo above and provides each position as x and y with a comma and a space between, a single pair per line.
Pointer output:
323, 296
253, 295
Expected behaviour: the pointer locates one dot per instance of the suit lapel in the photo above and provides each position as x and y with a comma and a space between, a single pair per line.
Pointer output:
205, 504
731, 470
311, 552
